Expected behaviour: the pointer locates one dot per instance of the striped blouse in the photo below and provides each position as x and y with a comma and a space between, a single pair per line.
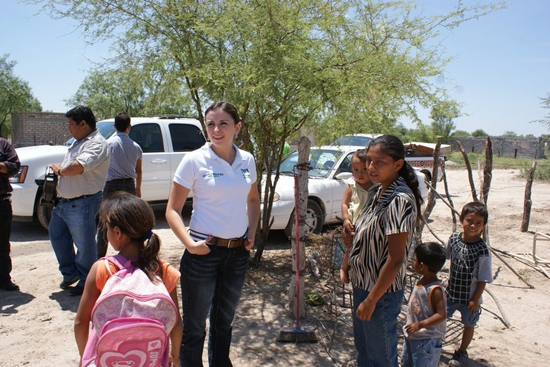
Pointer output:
392, 213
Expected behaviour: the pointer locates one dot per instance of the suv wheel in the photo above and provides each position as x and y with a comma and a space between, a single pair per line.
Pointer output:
44, 215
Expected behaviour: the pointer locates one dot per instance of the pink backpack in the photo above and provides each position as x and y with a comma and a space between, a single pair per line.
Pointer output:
131, 320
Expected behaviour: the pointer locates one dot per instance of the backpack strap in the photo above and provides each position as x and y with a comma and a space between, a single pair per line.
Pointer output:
120, 261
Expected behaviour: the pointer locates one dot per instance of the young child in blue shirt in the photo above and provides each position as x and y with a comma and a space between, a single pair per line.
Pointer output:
426, 313
470, 271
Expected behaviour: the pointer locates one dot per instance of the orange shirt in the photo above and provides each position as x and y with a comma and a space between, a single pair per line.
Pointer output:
170, 276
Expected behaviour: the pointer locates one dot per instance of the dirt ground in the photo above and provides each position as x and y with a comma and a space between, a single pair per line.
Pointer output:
36, 323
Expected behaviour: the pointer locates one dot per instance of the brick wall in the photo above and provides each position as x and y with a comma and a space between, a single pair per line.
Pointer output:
506, 147
39, 128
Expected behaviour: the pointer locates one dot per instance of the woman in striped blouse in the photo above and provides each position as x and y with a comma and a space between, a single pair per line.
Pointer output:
378, 254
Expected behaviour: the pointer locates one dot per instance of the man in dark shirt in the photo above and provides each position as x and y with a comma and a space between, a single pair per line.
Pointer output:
9, 166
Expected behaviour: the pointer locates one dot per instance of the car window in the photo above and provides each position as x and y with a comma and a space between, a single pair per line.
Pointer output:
186, 138
321, 161
105, 128
362, 141
346, 164
148, 136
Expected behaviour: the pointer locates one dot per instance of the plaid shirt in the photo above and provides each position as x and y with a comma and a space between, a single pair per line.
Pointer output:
470, 264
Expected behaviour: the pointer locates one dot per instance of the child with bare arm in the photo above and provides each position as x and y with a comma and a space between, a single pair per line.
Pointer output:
358, 193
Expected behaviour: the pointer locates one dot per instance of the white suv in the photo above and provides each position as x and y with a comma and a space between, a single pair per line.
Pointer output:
164, 141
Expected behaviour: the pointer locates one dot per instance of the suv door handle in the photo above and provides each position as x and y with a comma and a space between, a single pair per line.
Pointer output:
159, 161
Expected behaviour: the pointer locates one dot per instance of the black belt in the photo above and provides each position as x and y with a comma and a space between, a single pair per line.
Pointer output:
78, 197
229, 243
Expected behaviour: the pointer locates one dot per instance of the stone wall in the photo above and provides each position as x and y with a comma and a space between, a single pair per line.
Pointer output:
39, 128
506, 146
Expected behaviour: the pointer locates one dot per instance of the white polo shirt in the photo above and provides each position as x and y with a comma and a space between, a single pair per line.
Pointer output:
220, 191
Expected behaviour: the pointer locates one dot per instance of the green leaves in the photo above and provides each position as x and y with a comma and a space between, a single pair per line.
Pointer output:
15, 95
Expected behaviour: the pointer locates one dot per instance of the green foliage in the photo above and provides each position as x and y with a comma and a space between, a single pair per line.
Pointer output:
442, 115
545, 103
479, 133
15, 95
460, 134
335, 67
509, 134
138, 91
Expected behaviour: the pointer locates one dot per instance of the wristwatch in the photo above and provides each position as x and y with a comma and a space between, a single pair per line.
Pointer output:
59, 172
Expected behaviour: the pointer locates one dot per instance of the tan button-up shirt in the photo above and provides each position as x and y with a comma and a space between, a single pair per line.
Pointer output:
92, 153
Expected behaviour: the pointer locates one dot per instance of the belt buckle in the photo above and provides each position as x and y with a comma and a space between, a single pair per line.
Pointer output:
236, 241
229, 243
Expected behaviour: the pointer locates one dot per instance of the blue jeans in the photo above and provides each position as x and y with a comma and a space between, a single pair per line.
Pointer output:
210, 283
73, 222
421, 353
376, 340
469, 318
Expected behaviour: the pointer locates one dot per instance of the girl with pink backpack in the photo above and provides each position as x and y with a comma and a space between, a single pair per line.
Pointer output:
130, 298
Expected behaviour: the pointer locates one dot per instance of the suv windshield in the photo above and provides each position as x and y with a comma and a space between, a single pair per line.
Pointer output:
357, 140
106, 128
321, 161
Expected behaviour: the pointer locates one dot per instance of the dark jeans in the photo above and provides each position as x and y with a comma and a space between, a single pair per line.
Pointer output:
127, 185
210, 283
5, 231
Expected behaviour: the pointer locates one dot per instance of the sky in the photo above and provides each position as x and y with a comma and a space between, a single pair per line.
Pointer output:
499, 71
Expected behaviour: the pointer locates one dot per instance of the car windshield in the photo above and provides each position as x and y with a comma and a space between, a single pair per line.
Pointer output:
105, 128
357, 140
321, 161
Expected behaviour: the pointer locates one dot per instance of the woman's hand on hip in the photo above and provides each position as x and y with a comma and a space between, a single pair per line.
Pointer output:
199, 247
249, 243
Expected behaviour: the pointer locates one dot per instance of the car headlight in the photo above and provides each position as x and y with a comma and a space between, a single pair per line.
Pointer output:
20, 176
276, 197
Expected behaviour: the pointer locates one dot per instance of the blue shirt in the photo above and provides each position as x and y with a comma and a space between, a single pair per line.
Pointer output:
124, 156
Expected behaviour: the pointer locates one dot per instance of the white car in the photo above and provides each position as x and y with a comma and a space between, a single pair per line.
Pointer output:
164, 141
330, 169
419, 155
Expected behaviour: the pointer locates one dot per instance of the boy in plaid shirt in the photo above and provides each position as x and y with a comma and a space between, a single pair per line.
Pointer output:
469, 273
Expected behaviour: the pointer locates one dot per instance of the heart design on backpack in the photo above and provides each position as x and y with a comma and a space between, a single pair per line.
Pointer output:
134, 358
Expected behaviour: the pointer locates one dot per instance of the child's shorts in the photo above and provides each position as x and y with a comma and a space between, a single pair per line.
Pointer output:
468, 318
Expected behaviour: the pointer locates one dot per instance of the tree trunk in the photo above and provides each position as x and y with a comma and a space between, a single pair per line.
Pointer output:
487, 172
527, 202
298, 250
431, 194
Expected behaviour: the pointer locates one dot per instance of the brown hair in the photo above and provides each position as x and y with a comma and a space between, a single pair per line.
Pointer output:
136, 219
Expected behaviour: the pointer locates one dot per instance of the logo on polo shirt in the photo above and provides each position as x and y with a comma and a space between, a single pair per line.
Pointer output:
245, 172
212, 175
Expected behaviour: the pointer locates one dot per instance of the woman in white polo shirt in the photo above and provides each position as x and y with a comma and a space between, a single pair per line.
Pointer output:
226, 210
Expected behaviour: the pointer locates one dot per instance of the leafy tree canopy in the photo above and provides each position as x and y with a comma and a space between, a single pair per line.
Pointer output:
15, 95
460, 134
478, 133
334, 66
545, 103
138, 91
443, 113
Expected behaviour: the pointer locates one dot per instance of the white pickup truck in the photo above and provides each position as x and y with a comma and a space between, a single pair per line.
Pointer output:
164, 141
